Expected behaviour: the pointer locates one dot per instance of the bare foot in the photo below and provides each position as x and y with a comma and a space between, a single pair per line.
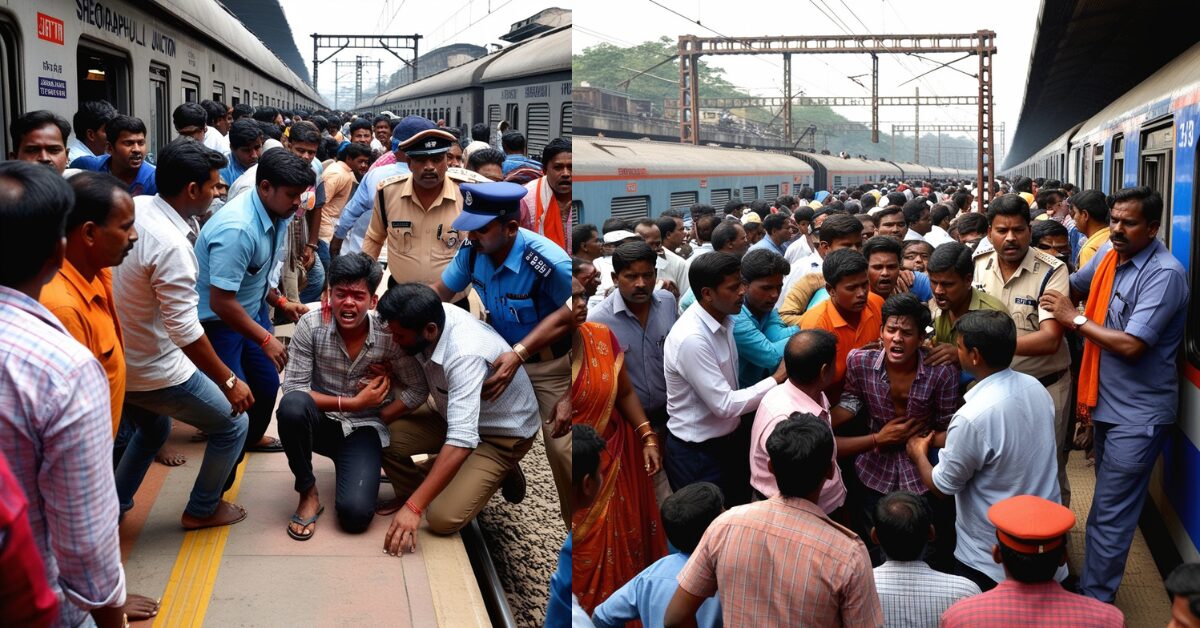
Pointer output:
139, 607
170, 457
226, 514
308, 508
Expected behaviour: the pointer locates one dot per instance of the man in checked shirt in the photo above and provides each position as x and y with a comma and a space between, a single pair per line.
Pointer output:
342, 363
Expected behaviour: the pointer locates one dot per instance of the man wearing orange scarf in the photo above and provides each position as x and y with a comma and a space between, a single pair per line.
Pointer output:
548, 200
1137, 297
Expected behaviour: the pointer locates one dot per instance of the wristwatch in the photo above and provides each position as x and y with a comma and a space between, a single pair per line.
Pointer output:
229, 383
1078, 321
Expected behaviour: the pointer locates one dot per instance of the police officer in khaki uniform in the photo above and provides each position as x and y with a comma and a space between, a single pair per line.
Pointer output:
1009, 269
414, 212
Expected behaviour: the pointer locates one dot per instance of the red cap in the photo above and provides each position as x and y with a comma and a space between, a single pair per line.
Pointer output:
1031, 524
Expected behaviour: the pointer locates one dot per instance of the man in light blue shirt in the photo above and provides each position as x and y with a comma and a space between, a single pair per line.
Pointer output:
758, 331
245, 146
236, 252
127, 158
999, 444
778, 233
685, 516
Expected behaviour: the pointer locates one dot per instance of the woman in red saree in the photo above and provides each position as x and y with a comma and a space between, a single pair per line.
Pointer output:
620, 533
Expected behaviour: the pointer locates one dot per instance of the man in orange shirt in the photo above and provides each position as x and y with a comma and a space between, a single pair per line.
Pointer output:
100, 234
852, 312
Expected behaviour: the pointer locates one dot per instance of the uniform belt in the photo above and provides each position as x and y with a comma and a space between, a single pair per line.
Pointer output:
1052, 378
556, 350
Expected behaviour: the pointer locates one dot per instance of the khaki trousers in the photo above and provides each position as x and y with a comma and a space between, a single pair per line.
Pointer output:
551, 380
424, 432
1060, 392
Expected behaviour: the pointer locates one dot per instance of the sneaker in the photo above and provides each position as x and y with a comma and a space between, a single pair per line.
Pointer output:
513, 486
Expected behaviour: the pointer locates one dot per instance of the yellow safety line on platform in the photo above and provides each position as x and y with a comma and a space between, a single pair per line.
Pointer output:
185, 602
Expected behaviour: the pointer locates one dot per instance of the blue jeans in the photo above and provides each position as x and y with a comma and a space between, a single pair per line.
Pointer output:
316, 281
199, 403
251, 365
323, 253
356, 457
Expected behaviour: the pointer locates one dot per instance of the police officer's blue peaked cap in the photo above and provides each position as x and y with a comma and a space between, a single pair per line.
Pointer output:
410, 126
484, 202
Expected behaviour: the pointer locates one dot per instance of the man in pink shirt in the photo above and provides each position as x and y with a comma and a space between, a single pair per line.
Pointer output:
809, 359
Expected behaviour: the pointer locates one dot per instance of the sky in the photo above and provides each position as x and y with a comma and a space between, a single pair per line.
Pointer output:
1014, 21
479, 22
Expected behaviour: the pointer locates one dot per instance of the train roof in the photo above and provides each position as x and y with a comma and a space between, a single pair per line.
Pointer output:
1060, 143
1179, 77
527, 59
834, 162
212, 20
602, 156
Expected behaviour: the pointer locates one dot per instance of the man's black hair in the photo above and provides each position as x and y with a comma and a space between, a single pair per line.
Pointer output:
841, 264
704, 226
993, 333
839, 226
577, 264
382, 118
361, 124
801, 450
882, 244
354, 151
185, 161
888, 211
31, 121
1045, 197
961, 200
94, 198
34, 203
760, 263
940, 213
123, 124
1031, 568
580, 234
352, 268
629, 253
868, 202
902, 525
688, 512
586, 446
283, 168
896, 198
244, 132
213, 111
479, 132
1047, 229
241, 110
305, 133
189, 114
1185, 580
412, 306
904, 304
973, 222
774, 222
703, 209
92, 116
711, 269
674, 212
731, 206
666, 226
554, 148
513, 142
1150, 201
1008, 205
615, 224
952, 256
483, 156
803, 213
913, 210
724, 234
806, 352
1094, 203
266, 114
1022, 184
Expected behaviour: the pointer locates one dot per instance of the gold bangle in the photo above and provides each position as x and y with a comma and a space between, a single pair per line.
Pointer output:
638, 428
649, 444
521, 352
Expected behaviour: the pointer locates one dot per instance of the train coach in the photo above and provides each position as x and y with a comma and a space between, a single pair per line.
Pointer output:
1148, 137
527, 85
832, 172
633, 178
146, 58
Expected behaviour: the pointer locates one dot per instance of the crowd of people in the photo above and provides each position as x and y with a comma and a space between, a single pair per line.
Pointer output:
141, 285
856, 408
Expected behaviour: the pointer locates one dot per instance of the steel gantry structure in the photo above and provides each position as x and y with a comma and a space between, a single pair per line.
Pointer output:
980, 43
939, 129
338, 43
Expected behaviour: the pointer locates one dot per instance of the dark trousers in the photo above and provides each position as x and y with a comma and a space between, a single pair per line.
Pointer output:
356, 458
724, 461
940, 552
251, 365
974, 575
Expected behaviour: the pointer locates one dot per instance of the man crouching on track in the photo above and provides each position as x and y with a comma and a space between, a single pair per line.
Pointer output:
341, 365
478, 442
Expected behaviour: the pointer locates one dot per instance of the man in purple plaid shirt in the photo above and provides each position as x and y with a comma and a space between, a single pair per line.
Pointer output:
901, 396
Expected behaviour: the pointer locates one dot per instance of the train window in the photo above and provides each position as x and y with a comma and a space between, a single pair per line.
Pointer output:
1156, 169
191, 87
684, 200
565, 123
103, 75
718, 198
1097, 178
1117, 177
513, 115
750, 193
246, 97
770, 192
159, 124
576, 217
10, 101
493, 116
537, 127
837, 182
458, 117
630, 207
218, 91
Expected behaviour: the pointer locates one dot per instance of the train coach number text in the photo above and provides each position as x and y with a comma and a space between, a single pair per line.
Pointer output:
1187, 133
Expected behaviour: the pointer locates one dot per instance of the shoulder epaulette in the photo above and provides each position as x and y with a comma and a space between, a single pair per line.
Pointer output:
462, 175
397, 178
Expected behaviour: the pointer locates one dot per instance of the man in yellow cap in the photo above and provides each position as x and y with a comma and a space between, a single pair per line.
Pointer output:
1031, 544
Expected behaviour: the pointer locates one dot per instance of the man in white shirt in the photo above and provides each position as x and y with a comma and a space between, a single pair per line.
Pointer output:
216, 131
916, 218
708, 438
604, 265
999, 444
90, 138
172, 370
672, 269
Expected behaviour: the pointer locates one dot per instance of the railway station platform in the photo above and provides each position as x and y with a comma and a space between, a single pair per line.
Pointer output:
253, 574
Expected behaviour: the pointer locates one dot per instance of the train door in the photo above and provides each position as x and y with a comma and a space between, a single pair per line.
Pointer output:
566, 121
159, 124
513, 115
10, 83
219, 92
537, 127
1155, 169
103, 75
1117, 177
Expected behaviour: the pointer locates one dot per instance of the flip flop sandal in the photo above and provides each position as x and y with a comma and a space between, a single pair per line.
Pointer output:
217, 525
273, 446
304, 523
388, 507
